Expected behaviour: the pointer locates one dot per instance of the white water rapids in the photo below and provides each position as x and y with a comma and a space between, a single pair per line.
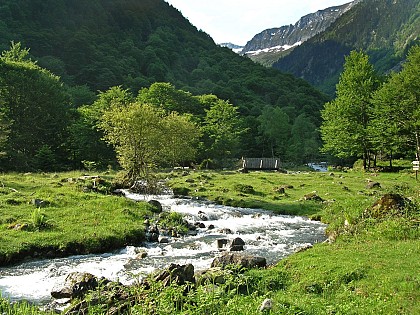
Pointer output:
265, 234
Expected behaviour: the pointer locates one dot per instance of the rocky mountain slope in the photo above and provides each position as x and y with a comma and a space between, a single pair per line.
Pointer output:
267, 46
385, 29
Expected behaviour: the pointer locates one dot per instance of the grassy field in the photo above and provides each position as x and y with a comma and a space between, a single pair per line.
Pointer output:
371, 265
61, 214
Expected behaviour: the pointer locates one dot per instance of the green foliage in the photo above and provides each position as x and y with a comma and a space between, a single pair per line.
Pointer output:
137, 45
39, 220
173, 221
16, 53
34, 106
222, 129
396, 126
275, 129
347, 118
144, 136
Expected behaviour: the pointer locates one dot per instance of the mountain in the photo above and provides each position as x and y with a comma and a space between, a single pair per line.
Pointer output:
385, 29
93, 45
234, 47
267, 46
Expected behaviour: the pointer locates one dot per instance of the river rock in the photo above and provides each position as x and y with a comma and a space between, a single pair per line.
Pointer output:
75, 285
212, 276
202, 216
237, 245
225, 231
163, 240
221, 243
178, 274
157, 206
266, 305
241, 259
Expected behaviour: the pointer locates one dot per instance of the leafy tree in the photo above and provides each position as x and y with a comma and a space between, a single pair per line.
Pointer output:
346, 119
86, 139
396, 126
180, 138
4, 131
304, 141
140, 135
165, 95
222, 129
34, 106
275, 129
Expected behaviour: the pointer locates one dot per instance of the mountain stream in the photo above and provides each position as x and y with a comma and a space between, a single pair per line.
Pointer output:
265, 234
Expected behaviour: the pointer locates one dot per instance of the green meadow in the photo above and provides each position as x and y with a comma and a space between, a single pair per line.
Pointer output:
369, 265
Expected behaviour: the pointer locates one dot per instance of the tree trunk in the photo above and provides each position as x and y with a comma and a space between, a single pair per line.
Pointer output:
390, 160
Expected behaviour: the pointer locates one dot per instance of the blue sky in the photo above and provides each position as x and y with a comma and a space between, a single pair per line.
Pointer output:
237, 21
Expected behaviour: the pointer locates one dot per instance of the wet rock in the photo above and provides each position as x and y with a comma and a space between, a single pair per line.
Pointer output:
140, 253
200, 225
237, 245
178, 274
212, 276
202, 216
75, 285
210, 227
157, 206
225, 231
152, 237
163, 240
119, 192
240, 259
221, 243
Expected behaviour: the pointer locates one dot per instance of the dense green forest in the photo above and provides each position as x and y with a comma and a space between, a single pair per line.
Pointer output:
95, 45
385, 29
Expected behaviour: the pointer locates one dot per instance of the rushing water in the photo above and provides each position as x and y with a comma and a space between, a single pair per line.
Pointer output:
265, 234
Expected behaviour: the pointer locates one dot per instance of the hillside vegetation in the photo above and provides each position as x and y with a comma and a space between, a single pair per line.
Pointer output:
95, 45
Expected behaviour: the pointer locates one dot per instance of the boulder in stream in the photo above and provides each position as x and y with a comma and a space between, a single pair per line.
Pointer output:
76, 285
179, 274
243, 260
237, 245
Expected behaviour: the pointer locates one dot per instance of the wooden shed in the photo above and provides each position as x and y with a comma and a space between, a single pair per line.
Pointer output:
260, 163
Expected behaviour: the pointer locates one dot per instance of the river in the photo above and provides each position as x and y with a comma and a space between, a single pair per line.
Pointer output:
265, 234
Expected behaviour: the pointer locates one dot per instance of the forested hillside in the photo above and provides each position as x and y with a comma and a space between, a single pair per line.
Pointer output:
94, 45
385, 29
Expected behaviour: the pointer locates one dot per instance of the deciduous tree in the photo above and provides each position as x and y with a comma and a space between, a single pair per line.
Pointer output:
346, 119
396, 127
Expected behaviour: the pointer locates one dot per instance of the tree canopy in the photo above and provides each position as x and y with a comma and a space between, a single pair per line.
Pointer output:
367, 118
34, 111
